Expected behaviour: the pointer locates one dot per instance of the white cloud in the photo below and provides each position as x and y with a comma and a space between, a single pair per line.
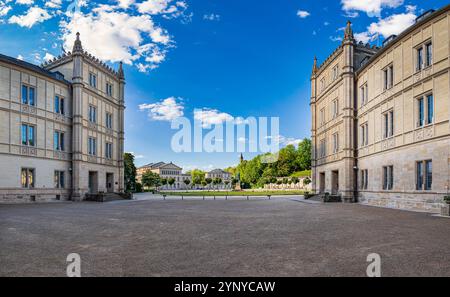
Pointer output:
282, 140
211, 17
4, 9
19, 57
371, 7
48, 57
34, 15
170, 7
336, 38
326, 23
392, 25
125, 3
53, 3
165, 110
302, 13
25, 2
118, 35
208, 116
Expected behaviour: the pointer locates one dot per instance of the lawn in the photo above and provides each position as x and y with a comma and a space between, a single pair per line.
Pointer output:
233, 193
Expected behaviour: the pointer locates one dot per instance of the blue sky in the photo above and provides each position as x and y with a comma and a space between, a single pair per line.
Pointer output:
229, 58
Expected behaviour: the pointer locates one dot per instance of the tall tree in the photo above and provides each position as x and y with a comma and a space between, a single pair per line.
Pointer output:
151, 179
129, 172
304, 154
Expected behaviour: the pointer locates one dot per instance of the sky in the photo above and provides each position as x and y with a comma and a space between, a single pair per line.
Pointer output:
211, 60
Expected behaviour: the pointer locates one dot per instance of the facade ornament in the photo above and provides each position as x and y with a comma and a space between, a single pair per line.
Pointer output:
348, 31
77, 47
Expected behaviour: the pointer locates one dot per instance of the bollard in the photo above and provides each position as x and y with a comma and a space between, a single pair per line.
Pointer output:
164, 197
247, 197
203, 197
268, 196
182, 197
226, 198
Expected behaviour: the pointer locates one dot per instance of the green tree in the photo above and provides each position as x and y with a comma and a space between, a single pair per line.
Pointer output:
186, 182
294, 180
171, 181
208, 181
151, 179
197, 176
129, 172
164, 181
304, 154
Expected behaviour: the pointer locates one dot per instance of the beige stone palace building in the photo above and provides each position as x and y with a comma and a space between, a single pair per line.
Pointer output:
380, 118
61, 128
166, 171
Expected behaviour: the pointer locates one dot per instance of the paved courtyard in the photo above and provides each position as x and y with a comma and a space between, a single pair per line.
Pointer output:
258, 237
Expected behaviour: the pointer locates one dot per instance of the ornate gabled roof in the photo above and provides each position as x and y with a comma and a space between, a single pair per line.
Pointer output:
78, 50
217, 171
314, 70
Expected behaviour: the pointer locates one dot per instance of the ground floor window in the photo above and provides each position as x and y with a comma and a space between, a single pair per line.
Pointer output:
364, 179
27, 177
59, 179
424, 175
388, 177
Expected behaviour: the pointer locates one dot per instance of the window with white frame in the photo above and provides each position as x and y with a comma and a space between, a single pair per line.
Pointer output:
388, 177
388, 124
424, 175
108, 120
364, 94
335, 142
92, 80
425, 110
59, 179
364, 180
92, 146
335, 108
28, 135
59, 105
335, 72
108, 150
109, 89
322, 151
364, 134
388, 77
58, 141
424, 56
27, 177
92, 114
28, 95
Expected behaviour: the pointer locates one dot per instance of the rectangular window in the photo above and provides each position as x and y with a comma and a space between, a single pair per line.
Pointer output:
364, 134
419, 59
59, 105
59, 179
108, 89
388, 77
58, 141
364, 179
92, 114
108, 120
322, 84
28, 135
335, 142
421, 113
92, 146
27, 177
429, 54
108, 151
430, 108
322, 148
388, 177
388, 122
335, 72
424, 175
322, 116
335, 108
28, 95
92, 80
364, 93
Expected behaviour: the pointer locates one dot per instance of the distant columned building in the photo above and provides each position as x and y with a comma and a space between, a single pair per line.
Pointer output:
166, 171
61, 128
380, 118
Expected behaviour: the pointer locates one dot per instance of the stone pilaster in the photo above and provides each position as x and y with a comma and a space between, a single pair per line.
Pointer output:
77, 118
347, 178
313, 126
120, 150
